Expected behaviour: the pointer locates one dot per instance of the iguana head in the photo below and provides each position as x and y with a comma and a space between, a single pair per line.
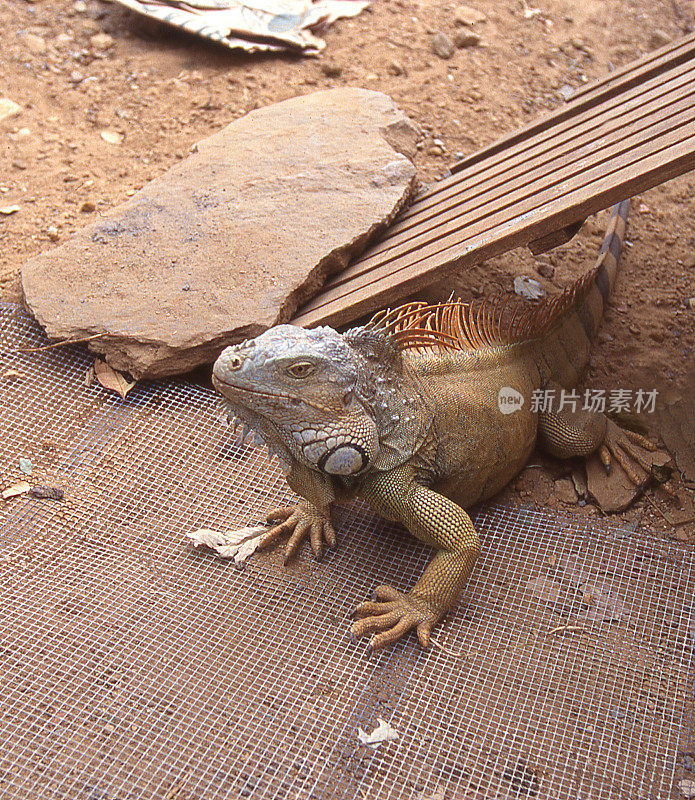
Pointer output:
336, 403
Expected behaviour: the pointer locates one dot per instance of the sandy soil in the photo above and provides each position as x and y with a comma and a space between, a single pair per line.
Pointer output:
161, 92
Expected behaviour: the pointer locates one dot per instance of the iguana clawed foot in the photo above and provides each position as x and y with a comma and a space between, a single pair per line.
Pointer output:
391, 615
632, 451
299, 521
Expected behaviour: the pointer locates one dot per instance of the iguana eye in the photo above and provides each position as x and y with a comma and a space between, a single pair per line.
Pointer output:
302, 369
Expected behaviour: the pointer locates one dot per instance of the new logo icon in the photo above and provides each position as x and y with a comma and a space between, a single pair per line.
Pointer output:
509, 400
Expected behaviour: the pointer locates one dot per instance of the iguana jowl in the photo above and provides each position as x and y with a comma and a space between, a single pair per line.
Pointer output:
405, 413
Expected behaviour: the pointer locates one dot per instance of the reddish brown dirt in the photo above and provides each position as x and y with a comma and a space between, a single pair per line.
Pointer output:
162, 91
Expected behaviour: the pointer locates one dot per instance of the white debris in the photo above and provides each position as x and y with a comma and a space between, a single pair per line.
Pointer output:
270, 25
528, 288
239, 544
382, 733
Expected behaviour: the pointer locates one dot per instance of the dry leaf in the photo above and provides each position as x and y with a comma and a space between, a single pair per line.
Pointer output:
14, 491
382, 733
239, 544
111, 379
12, 373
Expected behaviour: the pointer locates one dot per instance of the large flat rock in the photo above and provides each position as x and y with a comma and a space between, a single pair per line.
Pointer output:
233, 239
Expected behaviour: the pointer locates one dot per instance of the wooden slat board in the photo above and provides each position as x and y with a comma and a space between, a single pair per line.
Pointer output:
620, 136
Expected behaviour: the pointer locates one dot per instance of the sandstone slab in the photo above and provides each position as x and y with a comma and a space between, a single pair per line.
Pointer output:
234, 238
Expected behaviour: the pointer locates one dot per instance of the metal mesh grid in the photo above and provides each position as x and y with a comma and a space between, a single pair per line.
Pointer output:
135, 667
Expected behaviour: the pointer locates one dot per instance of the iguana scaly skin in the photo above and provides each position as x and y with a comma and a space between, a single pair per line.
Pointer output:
405, 413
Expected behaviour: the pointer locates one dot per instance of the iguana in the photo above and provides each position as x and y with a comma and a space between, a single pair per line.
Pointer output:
404, 412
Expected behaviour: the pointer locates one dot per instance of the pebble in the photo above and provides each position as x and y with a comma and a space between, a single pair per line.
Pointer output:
546, 270
465, 15
566, 91
634, 330
8, 108
658, 39
80, 7
112, 137
33, 43
442, 45
331, 69
102, 41
76, 76
6, 211
395, 68
435, 150
88, 207
25, 465
19, 164
467, 39
53, 233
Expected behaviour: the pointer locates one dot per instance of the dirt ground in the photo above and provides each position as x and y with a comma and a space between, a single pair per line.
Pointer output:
160, 92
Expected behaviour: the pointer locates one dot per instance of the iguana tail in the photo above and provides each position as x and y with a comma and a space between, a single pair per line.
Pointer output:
562, 353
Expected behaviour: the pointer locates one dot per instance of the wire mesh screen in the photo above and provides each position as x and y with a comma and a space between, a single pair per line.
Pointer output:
134, 666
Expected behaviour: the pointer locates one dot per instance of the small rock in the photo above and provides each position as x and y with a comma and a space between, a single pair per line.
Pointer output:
80, 7
435, 150
19, 164
331, 69
34, 44
566, 92
442, 45
658, 39
88, 207
689, 762
467, 39
112, 137
546, 270
76, 76
52, 232
634, 330
25, 465
6, 211
604, 337
22, 133
8, 108
395, 68
691, 303
564, 491
102, 41
465, 15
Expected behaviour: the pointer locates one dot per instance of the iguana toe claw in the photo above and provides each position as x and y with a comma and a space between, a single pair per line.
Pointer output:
299, 521
391, 617
631, 450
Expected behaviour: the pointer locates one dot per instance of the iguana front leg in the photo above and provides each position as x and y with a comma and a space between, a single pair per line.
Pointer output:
434, 519
310, 517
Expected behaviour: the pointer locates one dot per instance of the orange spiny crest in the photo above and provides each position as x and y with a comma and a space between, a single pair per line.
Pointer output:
457, 325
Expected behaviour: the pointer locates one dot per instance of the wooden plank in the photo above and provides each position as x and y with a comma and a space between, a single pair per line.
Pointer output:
498, 183
636, 172
555, 238
509, 198
665, 89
